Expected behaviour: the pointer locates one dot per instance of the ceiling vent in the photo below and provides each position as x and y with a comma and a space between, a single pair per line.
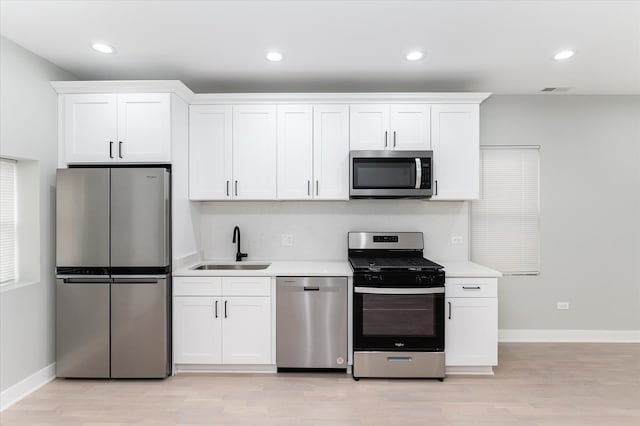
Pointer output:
555, 89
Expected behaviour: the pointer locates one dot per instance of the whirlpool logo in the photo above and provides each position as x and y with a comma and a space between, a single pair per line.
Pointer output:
399, 344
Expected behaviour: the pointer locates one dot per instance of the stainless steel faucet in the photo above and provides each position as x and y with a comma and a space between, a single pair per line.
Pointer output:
239, 254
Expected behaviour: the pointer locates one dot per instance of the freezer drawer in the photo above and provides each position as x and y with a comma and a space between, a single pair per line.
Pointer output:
311, 321
139, 324
82, 328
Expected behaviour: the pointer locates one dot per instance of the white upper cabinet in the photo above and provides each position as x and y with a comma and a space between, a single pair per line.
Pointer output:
125, 128
410, 127
254, 152
210, 152
369, 127
90, 128
403, 127
144, 128
295, 152
331, 152
455, 142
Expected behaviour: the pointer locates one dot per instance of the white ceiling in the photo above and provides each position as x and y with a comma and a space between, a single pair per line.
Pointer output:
219, 46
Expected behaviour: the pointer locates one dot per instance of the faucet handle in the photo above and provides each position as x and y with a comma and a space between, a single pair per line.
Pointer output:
239, 256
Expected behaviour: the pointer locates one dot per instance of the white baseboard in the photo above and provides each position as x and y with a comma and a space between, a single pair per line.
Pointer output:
15, 393
583, 336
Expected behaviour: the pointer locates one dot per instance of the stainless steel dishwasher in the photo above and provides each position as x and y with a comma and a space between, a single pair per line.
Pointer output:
311, 321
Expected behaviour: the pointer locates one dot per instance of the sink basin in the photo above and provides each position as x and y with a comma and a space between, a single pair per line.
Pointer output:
234, 266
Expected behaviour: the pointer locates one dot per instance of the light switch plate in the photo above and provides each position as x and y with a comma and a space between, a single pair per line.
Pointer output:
286, 240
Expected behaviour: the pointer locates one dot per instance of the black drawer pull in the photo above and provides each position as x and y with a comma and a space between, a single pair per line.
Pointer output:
475, 287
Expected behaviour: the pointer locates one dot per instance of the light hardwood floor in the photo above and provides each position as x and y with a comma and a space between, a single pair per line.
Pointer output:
535, 384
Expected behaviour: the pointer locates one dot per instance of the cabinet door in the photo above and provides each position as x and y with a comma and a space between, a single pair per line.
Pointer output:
197, 330
254, 152
210, 152
471, 331
410, 127
331, 152
456, 151
144, 128
90, 129
246, 333
369, 127
295, 152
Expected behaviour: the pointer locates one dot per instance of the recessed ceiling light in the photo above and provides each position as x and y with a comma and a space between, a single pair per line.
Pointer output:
564, 54
414, 56
274, 56
103, 48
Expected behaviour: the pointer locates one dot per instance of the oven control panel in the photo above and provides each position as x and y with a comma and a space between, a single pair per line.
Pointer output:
399, 279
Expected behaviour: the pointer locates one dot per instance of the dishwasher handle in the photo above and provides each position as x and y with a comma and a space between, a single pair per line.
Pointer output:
311, 288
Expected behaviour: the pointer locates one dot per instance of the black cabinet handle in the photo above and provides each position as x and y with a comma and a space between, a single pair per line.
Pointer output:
227, 188
449, 309
385, 138
110, 149
225, 309
309, 188
317, 190
475, 287
436, 187
120, 149
394, 138
216, 309
236, 195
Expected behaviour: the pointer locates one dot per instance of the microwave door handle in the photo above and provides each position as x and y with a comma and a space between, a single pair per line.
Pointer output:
418, 172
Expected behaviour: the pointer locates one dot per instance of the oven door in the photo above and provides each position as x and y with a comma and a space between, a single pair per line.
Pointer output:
390, 174
398, 319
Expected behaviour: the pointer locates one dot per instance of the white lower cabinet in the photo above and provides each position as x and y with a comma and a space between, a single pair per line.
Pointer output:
246, 337
471, 323
214, 324
197, 330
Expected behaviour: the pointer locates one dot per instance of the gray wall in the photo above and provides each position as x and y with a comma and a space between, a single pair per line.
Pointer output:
28, 130
590, 209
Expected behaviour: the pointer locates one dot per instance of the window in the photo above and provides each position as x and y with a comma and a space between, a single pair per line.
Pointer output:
505, 220
8, 221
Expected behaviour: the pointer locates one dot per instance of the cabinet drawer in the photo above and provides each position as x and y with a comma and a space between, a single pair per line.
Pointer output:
246, 286
471, 287
197, 286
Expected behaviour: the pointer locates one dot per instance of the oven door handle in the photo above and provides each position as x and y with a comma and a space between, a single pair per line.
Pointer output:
377, 290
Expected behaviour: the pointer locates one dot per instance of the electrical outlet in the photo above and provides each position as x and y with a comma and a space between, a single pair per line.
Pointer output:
456, 239
286, 240
563, 306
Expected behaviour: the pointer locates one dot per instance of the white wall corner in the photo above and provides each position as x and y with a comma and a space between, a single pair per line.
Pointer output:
15, 393
570, 336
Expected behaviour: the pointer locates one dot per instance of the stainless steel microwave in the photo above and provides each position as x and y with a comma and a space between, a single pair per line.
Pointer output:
390, 174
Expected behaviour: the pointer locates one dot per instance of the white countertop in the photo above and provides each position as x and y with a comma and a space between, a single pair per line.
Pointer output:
277, 268
453, 268
464, 268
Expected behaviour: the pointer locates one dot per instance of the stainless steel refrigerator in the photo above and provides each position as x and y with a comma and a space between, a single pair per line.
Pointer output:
113, 273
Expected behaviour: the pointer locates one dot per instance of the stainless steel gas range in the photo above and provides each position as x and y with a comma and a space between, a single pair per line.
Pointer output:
398, 307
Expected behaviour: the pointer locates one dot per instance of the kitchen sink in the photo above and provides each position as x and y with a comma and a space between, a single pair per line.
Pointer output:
234, 266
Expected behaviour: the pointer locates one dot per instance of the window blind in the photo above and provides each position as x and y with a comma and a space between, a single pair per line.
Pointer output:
505, 220
8, 220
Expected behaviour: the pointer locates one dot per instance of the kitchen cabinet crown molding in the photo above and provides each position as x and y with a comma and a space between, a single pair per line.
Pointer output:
124, 86
337, 98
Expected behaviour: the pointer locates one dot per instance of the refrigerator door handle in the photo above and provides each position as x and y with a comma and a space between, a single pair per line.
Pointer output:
135, 280
86, 280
